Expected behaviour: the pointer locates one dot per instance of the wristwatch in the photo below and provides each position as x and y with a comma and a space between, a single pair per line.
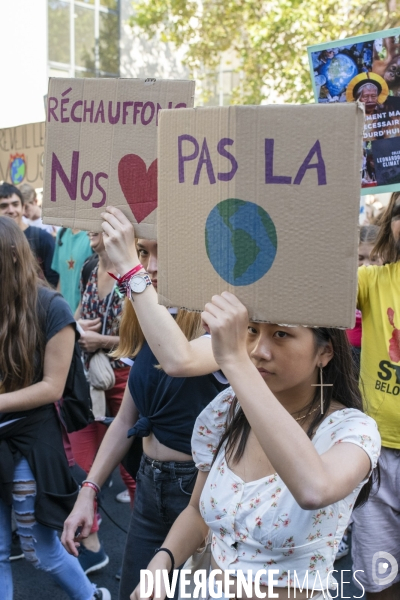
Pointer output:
137, 284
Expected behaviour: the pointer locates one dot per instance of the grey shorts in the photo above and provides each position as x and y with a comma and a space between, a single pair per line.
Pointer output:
376, 528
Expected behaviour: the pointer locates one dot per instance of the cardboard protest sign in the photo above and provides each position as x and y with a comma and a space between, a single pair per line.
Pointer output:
101, 149
21, 154
249, 203
366, 68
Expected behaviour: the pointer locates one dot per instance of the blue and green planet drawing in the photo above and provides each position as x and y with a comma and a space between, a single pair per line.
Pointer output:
17, 169
241, 241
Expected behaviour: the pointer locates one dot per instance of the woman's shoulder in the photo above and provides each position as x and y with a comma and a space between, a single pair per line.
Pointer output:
350, 425
209, 427
218, 408
61, 306
55, 310
350, 416
45, 293
49, 301
374, 273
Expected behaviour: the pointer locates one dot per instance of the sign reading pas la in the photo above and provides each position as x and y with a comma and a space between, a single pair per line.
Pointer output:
101, 148
263, 202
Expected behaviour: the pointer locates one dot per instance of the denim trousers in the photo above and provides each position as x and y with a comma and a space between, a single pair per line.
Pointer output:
41, 545
160, 498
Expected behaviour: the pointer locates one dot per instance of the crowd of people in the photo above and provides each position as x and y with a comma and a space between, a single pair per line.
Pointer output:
262, 441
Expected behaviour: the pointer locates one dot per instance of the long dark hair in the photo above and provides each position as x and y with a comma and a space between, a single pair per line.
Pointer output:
340, 371
385, 247
21, 338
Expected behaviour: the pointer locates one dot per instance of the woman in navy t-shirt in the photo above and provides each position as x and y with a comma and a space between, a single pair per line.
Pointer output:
174, 376
37, 334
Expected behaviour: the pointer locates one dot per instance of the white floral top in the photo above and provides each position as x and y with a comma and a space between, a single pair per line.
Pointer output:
257, 525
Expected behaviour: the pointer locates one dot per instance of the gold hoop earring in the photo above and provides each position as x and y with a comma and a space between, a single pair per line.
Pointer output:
322, 385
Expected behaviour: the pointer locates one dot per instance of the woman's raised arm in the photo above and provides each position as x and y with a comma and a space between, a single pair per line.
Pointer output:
177, 356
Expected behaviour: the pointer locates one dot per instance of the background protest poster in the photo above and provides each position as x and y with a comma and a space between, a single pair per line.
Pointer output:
366, 68
21, 154
101, 149
248, 203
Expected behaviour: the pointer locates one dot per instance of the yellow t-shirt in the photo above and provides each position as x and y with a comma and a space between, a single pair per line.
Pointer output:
379, 302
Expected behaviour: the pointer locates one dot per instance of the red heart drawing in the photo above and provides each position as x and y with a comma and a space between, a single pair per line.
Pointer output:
138, 185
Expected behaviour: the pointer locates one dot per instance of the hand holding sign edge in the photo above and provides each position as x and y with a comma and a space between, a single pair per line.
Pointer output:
119, 239
227, 319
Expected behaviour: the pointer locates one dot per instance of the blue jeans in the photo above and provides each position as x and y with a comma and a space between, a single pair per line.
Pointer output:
40, 544
160, 498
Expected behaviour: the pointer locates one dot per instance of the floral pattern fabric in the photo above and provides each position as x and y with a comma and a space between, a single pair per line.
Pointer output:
258, 524
93, 307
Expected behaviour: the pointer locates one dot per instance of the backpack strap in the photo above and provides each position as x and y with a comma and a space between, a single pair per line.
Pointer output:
75, 408
60, 237
87, 268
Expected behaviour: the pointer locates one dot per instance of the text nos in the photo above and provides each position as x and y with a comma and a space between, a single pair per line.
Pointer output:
190, 149
87, 182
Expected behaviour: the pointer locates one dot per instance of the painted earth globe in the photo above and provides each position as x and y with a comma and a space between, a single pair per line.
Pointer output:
241, 241
17, 170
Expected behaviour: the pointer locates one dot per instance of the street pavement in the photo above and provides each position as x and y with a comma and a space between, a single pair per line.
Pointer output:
30, 584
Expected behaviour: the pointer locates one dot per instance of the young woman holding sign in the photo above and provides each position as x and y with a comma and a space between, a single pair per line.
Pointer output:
274, 485
278, 479
155, 408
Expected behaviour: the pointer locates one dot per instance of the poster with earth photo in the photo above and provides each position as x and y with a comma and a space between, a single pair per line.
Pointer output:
366, 69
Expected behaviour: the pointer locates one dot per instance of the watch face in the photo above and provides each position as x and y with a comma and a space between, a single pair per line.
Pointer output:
138, 284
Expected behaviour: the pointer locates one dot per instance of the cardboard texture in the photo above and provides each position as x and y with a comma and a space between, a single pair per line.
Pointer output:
21, 154
101, 149
249, 203
365, 68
